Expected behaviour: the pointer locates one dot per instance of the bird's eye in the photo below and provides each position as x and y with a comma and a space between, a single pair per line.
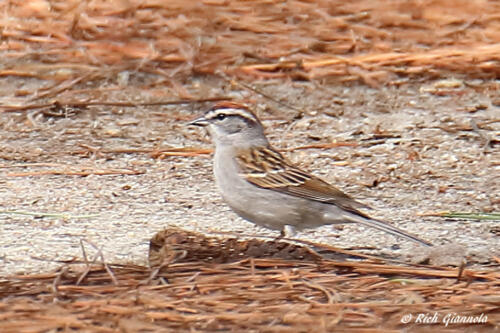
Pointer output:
221, 116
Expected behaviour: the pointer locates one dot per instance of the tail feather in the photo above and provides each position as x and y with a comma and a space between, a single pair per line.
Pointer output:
386, 227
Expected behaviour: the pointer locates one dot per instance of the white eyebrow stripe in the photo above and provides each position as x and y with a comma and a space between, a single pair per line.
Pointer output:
230, 112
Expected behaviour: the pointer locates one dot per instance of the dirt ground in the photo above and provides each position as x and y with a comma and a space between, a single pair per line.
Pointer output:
417, 148
394, 102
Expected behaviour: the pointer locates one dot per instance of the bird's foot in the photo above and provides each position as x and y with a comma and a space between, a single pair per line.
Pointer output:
287, 232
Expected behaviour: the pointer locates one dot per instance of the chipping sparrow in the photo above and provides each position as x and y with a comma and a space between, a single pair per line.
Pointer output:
265, 188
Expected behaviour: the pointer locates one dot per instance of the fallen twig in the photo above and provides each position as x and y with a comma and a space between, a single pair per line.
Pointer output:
460, 215
57, 104
97, 172
65, 216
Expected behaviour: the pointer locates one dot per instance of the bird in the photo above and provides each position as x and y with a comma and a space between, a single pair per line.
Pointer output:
264, 187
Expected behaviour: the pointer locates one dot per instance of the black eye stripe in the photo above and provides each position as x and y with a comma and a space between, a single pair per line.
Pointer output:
222, 114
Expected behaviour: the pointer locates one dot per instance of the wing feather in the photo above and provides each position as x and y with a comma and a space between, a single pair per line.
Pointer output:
267, 168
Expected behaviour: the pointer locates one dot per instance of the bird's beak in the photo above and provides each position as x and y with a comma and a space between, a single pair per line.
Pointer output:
199, 122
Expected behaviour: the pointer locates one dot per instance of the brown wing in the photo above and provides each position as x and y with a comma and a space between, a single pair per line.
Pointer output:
267, 168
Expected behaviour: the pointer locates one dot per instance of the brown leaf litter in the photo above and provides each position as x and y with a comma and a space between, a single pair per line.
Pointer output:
66, 43
209, 284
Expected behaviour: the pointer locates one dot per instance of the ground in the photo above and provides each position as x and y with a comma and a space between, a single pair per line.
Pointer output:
412, 149
394, 102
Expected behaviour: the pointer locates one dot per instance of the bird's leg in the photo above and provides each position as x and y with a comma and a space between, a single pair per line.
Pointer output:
287, 232
281, 236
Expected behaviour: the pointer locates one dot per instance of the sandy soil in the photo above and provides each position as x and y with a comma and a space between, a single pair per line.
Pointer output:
421, 148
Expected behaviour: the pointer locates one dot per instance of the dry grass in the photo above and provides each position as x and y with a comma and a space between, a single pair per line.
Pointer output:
69, 42
280, 288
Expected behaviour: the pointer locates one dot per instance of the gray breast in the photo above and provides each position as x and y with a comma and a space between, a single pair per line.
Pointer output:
264, 207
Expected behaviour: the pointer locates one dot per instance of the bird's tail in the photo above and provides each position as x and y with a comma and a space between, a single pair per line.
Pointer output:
386, 227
